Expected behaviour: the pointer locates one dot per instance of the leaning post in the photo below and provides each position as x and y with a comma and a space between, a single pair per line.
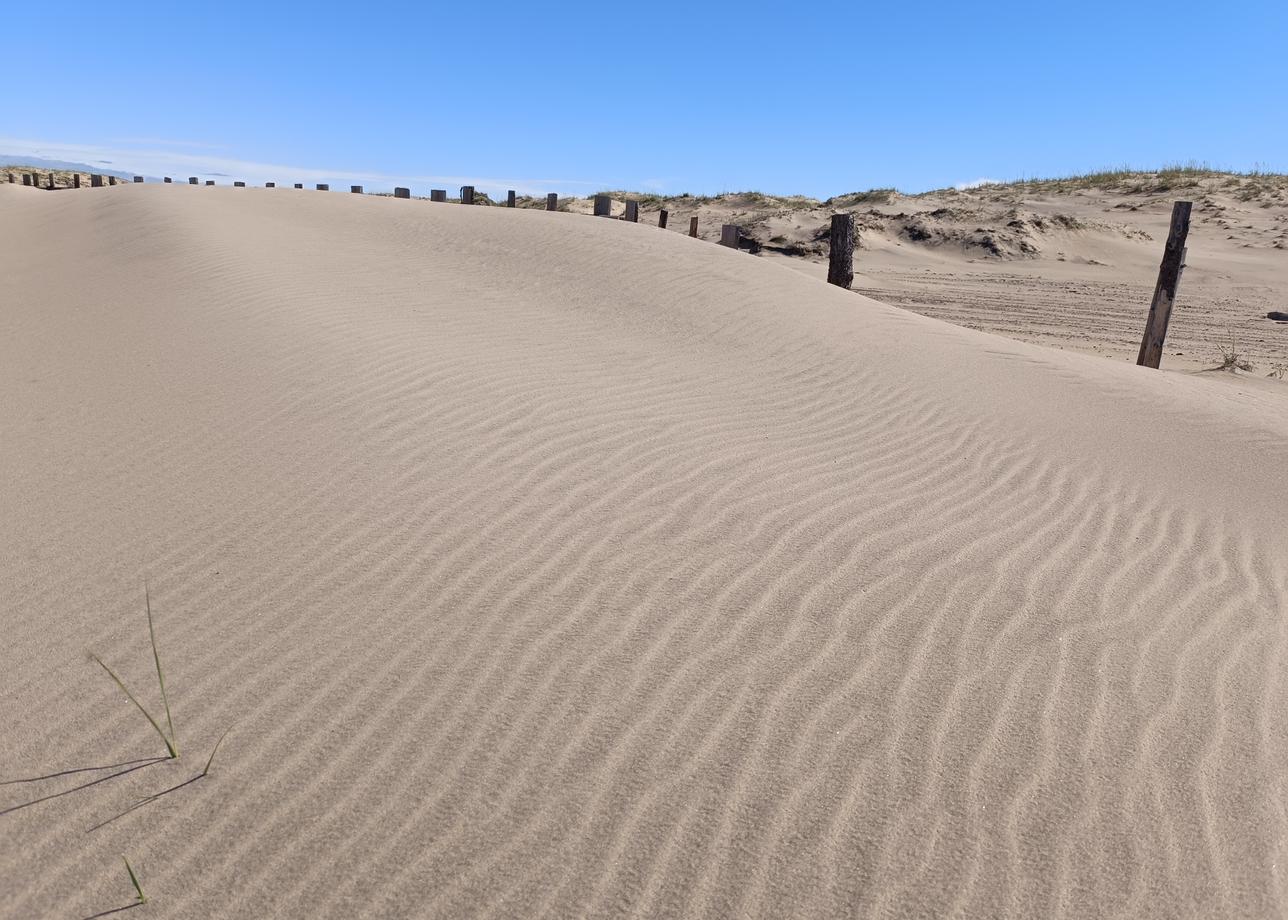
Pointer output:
1169, 277
840, 260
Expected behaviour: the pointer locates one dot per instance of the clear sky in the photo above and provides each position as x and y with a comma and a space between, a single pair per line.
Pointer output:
819, 98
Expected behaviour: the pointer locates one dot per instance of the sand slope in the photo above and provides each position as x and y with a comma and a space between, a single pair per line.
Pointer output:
548, 566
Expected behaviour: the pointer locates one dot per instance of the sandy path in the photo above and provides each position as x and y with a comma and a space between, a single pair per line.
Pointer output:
548, 566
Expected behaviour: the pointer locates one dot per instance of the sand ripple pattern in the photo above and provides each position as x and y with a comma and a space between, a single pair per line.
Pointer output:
554, 567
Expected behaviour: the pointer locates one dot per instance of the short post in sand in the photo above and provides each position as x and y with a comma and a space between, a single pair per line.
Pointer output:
299, 185
603, 206
10, 175
323, 187
26, 179
210, 182
840, 260
552, 202
693, 227
1169, 277
50, 177
239, 185
438, 194
662, 215
467, 194
166, 179
270, 185
355, 189
729, 235
633, 211
509, 198
192, 180
138, 179
401, 192
95, 181
111, 180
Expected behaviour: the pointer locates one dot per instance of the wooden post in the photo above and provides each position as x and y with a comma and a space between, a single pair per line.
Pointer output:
693, 227
210, 182
239, 185
51, 181
270, 185
729, 235
633, 211
10, 175
167, 180
96, 181
661, 218
467, 194
192, 180
299, 185
1169, 277
356, 189
840, 260
603, 206
111, 180
509, 198
401, 192
438, 194
26, 179
323, 187
552, 202
75, 180
138, 179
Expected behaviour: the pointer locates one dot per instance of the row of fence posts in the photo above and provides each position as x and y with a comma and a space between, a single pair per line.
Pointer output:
840, 265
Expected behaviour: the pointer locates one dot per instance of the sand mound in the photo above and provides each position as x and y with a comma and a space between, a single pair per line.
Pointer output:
547, 566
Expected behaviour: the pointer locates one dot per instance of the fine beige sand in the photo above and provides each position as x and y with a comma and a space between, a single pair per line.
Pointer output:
545, 566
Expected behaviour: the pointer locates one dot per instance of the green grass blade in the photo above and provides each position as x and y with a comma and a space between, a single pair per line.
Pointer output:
134, 880
216, 750
126, 690
172, 743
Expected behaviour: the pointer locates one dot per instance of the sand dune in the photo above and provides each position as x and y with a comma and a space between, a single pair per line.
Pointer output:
550, 566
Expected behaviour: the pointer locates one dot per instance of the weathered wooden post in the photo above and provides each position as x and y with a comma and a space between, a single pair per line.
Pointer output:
138, 179
299, 185
35, 180
210, 182
10, 175
75, 180
323, 187
111, 180
96, 181
633, 211
26, 179
401, 192
467, 194
552, 202
165, 179
509, 198
693, 227
1169, 277
356, 189
270, 185
50, 178
729, 235
840, 260
192, 180
438, 194
603, 206
662, 215
239, 185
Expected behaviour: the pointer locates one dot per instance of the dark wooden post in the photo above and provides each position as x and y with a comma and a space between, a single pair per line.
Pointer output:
192, 180
166, 179
603, 206
210, 182
729, 235
401, 192
270, 185
35, 180
96, 181
633, 211
467, 194
1169, 277
239, 185
26, 179
138, 179
840, 260
323, 187
111, 180
299, 185
509, 198
661, 218
356, 189
438, 194
552, 202
51, 181
693, 226
10, 175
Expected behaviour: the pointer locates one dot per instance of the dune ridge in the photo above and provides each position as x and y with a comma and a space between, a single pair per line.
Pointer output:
548, 566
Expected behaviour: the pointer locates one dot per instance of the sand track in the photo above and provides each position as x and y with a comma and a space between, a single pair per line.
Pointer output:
548, 566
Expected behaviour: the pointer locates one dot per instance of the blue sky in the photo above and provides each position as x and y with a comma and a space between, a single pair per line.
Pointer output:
817, 98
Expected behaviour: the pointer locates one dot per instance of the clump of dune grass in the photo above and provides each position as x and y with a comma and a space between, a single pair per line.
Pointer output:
1233, 358
134, 880
171, 743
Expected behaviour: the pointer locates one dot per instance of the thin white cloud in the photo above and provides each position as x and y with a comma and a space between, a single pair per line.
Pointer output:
159, 161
